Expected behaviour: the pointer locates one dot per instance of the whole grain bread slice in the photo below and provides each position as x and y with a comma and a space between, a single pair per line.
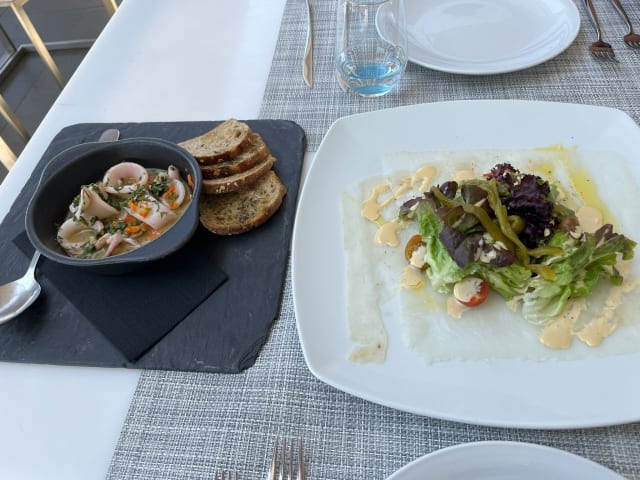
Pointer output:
254, 152
220, 144
238, 181
239, 212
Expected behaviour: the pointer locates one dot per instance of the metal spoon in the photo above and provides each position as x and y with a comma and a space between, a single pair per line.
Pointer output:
109, 135
16, 296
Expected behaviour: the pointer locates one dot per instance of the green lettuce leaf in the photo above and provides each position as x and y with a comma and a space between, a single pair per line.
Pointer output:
577, 271
583, 263
444, 273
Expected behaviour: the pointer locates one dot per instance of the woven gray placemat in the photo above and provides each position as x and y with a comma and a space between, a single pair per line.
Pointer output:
573, 76
184, 425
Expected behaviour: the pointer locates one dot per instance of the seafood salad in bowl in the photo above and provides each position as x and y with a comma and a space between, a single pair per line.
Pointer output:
129, 207
113, 207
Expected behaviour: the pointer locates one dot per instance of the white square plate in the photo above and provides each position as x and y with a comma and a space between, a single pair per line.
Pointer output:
509, 393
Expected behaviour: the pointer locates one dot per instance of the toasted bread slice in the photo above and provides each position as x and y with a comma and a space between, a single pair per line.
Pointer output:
254, 152
219, 144
239, 212
238, 181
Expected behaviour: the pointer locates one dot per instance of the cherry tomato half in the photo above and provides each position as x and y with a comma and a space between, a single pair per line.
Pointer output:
412, 245
471, 291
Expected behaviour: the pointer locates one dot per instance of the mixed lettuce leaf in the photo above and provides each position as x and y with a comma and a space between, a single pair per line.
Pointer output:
509, 229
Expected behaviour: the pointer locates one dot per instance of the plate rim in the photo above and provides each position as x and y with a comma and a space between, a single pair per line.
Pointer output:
507, 446
573, 19
320, 370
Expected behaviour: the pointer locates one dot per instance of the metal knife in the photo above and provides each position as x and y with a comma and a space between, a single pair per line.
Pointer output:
307, 65
345, 22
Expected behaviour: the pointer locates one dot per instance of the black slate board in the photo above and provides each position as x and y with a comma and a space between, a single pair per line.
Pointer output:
225, 333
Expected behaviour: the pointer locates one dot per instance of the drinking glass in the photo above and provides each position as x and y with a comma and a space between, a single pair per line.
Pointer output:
371, 45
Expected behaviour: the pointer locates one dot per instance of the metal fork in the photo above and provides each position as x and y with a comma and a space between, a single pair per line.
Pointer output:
631, 38
285, 470
599, 48
225, 475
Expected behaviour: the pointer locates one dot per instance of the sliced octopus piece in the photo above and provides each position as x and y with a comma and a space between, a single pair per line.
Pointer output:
175, 195
123, 179
112, 243
74, 236
173, 172
152, 212
92, 205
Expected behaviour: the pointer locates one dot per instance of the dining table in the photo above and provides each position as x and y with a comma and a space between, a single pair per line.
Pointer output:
202, 60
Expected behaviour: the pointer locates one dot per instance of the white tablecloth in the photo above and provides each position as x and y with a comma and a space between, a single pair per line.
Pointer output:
64, 422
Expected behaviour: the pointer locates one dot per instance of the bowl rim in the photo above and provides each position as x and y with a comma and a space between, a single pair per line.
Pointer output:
134, 256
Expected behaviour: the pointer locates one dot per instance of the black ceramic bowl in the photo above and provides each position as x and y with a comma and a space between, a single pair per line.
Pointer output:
86, 163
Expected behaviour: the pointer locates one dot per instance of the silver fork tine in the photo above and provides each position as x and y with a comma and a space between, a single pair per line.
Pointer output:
225, 475
291, 453
631, 38
300, 461
599, 48
274, 461
283, 464
283, 468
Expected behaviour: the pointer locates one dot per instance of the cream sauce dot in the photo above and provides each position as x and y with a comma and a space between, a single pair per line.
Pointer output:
559, 333
604, 324
411, 277
370, 207
424, 175
455, 308
590, 218
387, 234
404, 187
467, 288
461, 175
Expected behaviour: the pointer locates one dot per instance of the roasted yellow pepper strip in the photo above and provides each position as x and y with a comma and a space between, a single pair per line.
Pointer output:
503, 220
503, 232
436, 192
543, 270
479, 213
488, 224
544, 251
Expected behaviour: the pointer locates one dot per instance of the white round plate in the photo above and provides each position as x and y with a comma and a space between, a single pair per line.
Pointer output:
502, 461
479, 37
